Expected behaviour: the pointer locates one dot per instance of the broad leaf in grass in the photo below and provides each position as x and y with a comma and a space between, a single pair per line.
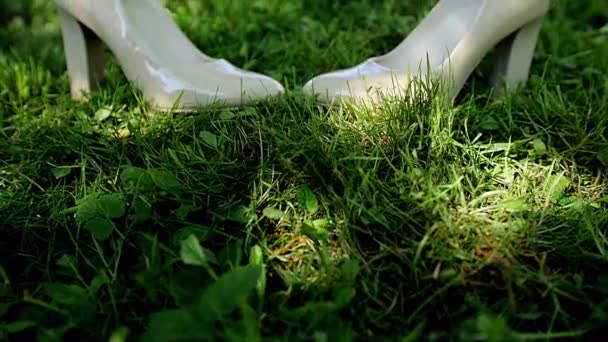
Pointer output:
61, 171
69, 295
111, 206
100, 227
192, 253
308, 200
136, 179
229, 292
164, 180
18, 326
103, 113
557, 185
142, 210
256, 258
174, 325
209, 138
88, 208
273, 213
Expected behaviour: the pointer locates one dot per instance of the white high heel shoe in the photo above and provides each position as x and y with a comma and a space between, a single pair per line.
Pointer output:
452, 40
153, 53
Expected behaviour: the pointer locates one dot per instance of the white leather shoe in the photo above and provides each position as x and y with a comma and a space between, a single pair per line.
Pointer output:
452, 40
154, 54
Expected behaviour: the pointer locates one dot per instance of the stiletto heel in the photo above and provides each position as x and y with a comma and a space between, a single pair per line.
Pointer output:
514, 57
84, 54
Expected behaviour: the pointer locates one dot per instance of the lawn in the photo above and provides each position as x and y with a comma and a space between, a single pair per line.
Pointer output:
481, 220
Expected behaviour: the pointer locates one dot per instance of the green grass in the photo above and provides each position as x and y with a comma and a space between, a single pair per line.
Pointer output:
486, 220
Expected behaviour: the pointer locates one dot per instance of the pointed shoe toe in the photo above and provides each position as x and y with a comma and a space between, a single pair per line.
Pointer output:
259, 87
215, 83
365, 84
242, 87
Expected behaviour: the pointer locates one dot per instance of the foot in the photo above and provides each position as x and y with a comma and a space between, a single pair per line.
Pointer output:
447, 45
154, 54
